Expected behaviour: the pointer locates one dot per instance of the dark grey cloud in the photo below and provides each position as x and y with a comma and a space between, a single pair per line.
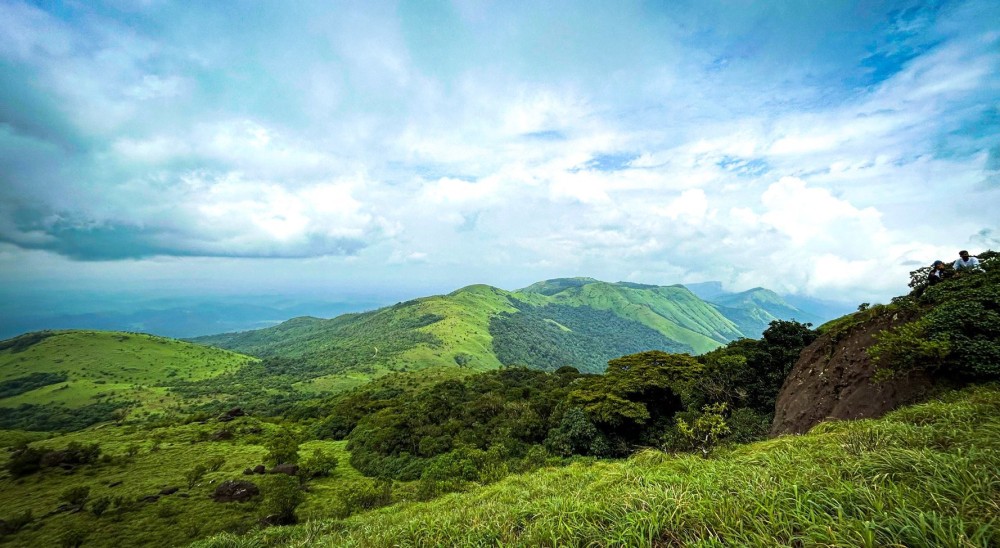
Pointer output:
116, 241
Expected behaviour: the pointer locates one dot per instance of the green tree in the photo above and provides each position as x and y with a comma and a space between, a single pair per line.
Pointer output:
576, 435
282, 448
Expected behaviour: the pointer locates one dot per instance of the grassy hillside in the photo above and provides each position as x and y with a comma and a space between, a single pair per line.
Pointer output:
138, 464
462, 328
95, 372
921, 476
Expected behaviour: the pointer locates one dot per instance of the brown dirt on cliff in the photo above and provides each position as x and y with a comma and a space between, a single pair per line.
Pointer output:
832, 380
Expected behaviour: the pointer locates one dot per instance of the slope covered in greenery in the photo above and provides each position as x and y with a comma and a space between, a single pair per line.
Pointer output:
579, 322
922, 476
151, 485
55, 380
754, 309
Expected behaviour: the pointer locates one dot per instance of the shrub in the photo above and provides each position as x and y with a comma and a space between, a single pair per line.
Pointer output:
193, 475
100, 505
75, 497
576, 435
707, 429
24, 460
281, 496
16, 522
319, 463
282, 448
369, 495
73, 538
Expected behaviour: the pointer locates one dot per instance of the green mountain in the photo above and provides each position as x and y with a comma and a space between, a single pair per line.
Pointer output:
754, 309
580, 322
58, 379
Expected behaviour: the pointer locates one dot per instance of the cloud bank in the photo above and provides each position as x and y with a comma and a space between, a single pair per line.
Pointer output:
815, 149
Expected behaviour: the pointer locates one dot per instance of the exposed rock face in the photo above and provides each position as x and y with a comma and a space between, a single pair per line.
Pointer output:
832, 380
235, 491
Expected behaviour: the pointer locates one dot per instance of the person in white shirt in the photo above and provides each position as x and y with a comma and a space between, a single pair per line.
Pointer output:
966, 262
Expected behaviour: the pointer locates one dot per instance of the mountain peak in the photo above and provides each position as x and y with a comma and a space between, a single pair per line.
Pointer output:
557, 285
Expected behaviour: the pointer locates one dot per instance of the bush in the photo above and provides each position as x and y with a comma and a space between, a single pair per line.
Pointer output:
319, 463
282, 448
958, 332
576, 435
281, 496
100, 505
24, 461
193, 475
369, 495
706, 430
16, 522
748, 425
75, 497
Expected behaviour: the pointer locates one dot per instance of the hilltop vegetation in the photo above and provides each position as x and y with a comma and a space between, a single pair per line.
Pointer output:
552, 336
515, 415
578, 322
66, 380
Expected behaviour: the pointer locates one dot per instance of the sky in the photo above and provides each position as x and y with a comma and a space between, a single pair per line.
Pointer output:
401, 149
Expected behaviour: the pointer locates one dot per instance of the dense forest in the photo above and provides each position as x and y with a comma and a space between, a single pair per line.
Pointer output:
549, 337
517, 416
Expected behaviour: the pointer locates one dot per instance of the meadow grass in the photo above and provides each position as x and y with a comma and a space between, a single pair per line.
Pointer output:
922, 476
162, 456
113, 366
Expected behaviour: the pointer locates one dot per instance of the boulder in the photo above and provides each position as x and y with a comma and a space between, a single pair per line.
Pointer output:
285, 468
259, 469
169, 490
235, 491
149, 498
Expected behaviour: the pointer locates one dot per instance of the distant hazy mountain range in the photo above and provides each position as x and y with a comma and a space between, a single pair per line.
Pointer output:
167, 317
580, 322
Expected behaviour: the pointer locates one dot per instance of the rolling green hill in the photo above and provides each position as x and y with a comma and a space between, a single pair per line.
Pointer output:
754, 309
579, 322
80, 377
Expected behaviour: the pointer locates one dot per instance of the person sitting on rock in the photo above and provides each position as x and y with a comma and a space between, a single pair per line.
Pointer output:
937, 273
966, 262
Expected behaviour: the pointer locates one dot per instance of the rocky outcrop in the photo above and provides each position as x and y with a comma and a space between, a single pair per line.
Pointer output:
832, 379
235, 491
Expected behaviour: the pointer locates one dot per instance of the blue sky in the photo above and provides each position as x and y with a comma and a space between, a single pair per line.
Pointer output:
408, 148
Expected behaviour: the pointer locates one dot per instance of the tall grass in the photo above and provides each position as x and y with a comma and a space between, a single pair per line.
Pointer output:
923, 476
